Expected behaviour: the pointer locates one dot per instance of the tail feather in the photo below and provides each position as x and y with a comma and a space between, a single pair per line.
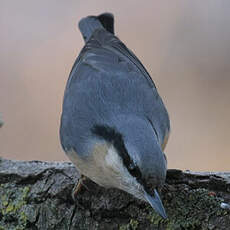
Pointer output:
91, 23
107, 20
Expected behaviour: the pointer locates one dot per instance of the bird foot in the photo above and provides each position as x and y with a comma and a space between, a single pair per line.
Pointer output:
78, 186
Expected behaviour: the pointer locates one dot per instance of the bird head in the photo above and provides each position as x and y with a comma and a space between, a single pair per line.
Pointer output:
135, 155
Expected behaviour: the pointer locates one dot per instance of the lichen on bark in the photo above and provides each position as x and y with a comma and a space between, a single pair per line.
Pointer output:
37, 195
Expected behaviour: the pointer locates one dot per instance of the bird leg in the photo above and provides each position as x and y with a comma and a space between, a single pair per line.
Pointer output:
78, 187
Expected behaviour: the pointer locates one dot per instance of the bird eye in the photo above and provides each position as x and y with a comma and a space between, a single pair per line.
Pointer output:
135, 171
132, 166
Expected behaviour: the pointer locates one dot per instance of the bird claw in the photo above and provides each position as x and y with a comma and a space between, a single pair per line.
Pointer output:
78, 186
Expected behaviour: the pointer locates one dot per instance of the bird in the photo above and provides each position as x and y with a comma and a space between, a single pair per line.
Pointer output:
114, 125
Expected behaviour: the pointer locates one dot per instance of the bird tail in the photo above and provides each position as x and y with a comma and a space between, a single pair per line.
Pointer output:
91, 23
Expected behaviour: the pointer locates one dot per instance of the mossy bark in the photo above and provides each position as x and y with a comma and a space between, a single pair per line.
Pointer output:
37, 195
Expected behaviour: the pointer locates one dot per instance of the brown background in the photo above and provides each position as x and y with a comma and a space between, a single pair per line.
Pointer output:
185, 45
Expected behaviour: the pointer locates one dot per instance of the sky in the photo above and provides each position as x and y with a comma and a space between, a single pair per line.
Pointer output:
185, 46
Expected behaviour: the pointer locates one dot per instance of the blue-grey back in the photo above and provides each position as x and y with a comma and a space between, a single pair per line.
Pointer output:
106, 81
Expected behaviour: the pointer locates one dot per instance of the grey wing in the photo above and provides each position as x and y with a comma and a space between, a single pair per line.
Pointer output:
106, 78
89, 85
153, 106
111, 42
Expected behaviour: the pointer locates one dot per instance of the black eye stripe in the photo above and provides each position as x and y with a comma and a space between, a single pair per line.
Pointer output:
112, 136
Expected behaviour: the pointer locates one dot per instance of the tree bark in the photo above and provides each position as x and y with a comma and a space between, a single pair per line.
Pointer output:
37, 195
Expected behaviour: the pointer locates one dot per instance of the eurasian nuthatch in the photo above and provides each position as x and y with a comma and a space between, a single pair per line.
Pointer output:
114, 125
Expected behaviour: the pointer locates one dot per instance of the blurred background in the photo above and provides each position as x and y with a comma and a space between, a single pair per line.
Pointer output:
185, 46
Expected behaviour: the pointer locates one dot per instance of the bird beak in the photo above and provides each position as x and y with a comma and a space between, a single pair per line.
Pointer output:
156, 203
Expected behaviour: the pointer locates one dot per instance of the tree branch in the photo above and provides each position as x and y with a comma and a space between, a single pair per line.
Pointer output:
37, 195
